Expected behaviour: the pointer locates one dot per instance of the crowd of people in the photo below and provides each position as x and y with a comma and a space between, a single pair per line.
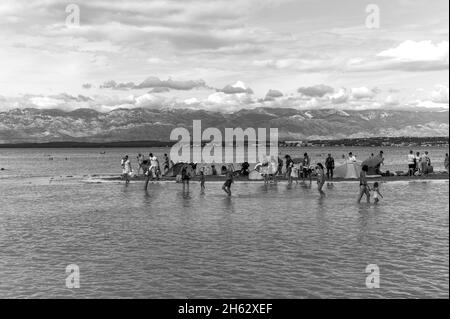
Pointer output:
291, 169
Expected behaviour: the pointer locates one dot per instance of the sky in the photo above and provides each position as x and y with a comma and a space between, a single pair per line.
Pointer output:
224, 55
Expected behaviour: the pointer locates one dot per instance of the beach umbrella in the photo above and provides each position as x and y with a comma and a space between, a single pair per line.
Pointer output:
372, 162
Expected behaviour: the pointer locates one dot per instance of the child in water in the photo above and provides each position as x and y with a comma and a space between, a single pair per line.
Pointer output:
376, 193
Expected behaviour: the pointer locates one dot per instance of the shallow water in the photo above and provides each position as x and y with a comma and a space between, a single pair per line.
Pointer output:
271, 241
79, 162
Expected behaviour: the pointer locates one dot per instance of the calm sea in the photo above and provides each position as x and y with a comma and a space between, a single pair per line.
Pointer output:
275, 241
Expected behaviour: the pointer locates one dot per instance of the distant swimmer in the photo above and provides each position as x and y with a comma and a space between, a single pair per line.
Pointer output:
364, 188
126, 169
229, 180
376, 193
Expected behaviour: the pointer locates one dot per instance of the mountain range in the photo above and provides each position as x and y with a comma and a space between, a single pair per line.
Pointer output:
86, 125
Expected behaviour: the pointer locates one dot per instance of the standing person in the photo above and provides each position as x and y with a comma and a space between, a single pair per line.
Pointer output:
418, 164
153, 165
446, 162
306, 170
280, 166
289, 165
126, 169
424, 163
351, 158
185, 177
140, 159
320, 177
158, 170
229, 180
364, 188
202, 179
411, 163
329, 163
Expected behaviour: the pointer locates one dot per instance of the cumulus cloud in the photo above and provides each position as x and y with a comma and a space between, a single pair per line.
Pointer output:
237, 88
159, 90
408, 51
363, 93
117, 86
316, 91
154, 82
157, 85
440, 94
391, 101
150, 101
341, 96
273, 94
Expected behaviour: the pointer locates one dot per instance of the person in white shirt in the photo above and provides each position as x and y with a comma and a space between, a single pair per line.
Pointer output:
351, 158
126, 169
154, 165
418, 160
411, 163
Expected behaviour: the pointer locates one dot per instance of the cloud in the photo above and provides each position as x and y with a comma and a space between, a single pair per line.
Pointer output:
440, 94
316, 91
238, 87
273, 94
340, 97
410, 51
409, 56
150, 101
363, 93
159, 90
391, 101
154, 82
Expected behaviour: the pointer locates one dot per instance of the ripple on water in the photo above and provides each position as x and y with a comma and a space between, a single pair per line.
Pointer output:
264, 242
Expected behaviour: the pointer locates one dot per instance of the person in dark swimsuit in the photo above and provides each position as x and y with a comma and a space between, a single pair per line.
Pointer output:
185, 178
364, 188
229, 180
289, 165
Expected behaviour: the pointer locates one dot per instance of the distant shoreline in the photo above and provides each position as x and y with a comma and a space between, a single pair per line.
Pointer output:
377, 142
129, 144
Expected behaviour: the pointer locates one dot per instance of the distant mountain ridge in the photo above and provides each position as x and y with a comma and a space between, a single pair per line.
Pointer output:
86, 125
